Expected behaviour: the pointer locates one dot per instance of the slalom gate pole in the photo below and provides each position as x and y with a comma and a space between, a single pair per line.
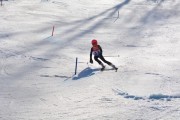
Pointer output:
52, 31
76, 66
1, 2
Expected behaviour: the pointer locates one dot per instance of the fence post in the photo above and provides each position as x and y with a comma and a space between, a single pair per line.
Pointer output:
76, 65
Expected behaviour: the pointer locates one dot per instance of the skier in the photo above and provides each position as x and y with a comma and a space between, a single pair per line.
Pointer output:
96, 50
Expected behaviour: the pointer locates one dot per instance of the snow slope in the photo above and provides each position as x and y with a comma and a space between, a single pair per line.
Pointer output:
37, 80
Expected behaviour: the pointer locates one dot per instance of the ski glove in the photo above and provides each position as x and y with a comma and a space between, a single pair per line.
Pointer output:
91, 61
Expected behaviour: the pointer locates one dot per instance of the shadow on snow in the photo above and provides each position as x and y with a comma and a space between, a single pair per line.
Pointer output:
85, 73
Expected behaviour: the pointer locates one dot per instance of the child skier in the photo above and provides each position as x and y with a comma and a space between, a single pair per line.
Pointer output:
96, 50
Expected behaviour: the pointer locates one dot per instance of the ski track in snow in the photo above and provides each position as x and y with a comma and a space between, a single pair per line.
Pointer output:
151, 97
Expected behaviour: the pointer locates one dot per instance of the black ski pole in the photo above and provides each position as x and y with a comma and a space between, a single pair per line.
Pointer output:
112, 56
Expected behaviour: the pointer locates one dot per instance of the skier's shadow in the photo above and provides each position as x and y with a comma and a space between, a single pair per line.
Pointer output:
86, 73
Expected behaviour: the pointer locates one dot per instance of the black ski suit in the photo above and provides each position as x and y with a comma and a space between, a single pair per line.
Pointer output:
97, 51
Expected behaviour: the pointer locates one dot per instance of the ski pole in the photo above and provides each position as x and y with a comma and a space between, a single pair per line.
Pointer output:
112, 56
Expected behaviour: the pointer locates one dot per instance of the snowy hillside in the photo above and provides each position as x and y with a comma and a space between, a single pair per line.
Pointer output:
141, 37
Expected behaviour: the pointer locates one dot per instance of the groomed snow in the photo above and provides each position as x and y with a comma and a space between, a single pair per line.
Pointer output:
141, 37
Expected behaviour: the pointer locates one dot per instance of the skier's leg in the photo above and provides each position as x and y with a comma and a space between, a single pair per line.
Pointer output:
114, 67
100, 63
97, 60
107, 62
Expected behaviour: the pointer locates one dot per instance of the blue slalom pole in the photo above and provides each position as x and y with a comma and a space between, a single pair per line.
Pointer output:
76, 65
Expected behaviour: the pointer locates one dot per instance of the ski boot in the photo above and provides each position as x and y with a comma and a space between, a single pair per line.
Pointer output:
103, 67
114, 67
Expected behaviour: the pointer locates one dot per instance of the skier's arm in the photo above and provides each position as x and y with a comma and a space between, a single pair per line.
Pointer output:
100, 49
91, 61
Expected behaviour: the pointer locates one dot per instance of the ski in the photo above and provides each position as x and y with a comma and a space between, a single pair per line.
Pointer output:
104, 69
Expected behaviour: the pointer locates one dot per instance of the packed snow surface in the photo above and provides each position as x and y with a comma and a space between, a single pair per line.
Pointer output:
141, 37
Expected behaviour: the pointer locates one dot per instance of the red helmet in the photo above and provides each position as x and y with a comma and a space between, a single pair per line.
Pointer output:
94, 42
